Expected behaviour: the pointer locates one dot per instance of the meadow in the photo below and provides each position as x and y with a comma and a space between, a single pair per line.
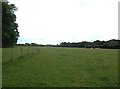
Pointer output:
11, 54
62, 67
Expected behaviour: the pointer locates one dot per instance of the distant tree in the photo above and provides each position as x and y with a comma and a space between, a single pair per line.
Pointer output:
111, 44
34, 44
27, 44
10, 32
20, 44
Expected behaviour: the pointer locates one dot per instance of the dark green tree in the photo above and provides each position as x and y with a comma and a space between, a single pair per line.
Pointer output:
111, 44
10, 32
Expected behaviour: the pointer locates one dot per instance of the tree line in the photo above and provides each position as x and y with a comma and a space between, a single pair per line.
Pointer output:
111, 44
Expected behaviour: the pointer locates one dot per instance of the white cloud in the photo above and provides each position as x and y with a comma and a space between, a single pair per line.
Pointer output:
67, 20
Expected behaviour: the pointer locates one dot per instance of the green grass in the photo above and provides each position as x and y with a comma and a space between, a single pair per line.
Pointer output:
63, 67
16, 52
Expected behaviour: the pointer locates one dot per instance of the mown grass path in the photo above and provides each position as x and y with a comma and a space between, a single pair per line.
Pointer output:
63, 67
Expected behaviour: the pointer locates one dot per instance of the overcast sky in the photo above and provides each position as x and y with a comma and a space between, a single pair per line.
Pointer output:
56, 21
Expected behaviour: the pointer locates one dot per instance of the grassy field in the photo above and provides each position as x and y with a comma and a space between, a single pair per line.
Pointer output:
10, 54
63, 67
